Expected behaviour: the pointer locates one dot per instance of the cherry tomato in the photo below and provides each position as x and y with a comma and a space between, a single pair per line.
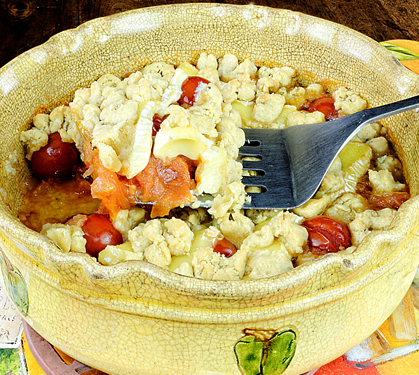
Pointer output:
157, 120
225, 247
326, 105
189, 89
319, 244
99, 232
57, 159
326, 235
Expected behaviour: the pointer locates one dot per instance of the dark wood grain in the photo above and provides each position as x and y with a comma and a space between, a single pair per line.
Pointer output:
27, 23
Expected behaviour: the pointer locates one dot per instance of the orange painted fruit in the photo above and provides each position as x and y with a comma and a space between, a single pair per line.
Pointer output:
406, 51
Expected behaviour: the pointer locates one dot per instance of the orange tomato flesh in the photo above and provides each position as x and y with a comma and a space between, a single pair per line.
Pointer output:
168, 183
165, 183
106, 185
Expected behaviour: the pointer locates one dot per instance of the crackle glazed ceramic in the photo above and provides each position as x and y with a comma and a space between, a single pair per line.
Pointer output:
135, 318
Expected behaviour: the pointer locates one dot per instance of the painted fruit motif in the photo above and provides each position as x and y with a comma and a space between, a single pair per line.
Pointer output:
265, 352
406, 51
15, 285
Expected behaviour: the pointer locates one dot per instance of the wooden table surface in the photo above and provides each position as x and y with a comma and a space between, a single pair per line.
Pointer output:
27, 23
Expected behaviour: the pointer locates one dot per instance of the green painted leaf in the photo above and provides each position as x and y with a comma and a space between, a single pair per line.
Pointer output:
15, 285
249, 353
279, 351
400, 53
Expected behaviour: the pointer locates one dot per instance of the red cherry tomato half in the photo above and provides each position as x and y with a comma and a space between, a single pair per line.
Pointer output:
319, 243
225, 247
189, 89
326, 105
99, 232
326, 235
57, 159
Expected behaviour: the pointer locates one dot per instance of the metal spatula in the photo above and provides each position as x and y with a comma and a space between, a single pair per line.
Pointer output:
293, 161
